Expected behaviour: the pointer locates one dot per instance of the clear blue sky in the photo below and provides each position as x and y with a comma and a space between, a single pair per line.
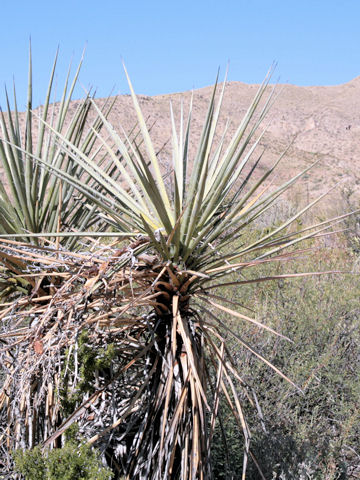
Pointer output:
178, 45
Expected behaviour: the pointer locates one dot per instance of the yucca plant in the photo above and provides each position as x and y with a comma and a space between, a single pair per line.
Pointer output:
32, 199
153, 296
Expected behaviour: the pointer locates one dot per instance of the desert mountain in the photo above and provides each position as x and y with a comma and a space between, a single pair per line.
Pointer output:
319, 123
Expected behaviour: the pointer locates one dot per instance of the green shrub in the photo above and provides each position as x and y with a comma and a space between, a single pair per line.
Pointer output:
311, 435
72, 462
91, 360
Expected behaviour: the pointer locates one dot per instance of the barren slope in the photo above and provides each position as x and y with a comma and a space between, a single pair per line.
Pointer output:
322, 122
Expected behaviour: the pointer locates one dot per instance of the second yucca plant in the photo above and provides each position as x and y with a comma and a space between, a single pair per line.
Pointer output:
182, 236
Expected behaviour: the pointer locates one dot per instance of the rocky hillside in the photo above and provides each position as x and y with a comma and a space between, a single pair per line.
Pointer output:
318, 122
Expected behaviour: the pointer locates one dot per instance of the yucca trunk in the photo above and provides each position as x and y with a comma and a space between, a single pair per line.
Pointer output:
170, 439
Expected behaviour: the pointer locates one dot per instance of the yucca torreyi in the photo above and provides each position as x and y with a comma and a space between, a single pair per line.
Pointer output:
181, 237
32, 200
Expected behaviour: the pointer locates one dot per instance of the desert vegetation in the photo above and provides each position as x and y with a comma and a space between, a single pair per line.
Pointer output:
187, 320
